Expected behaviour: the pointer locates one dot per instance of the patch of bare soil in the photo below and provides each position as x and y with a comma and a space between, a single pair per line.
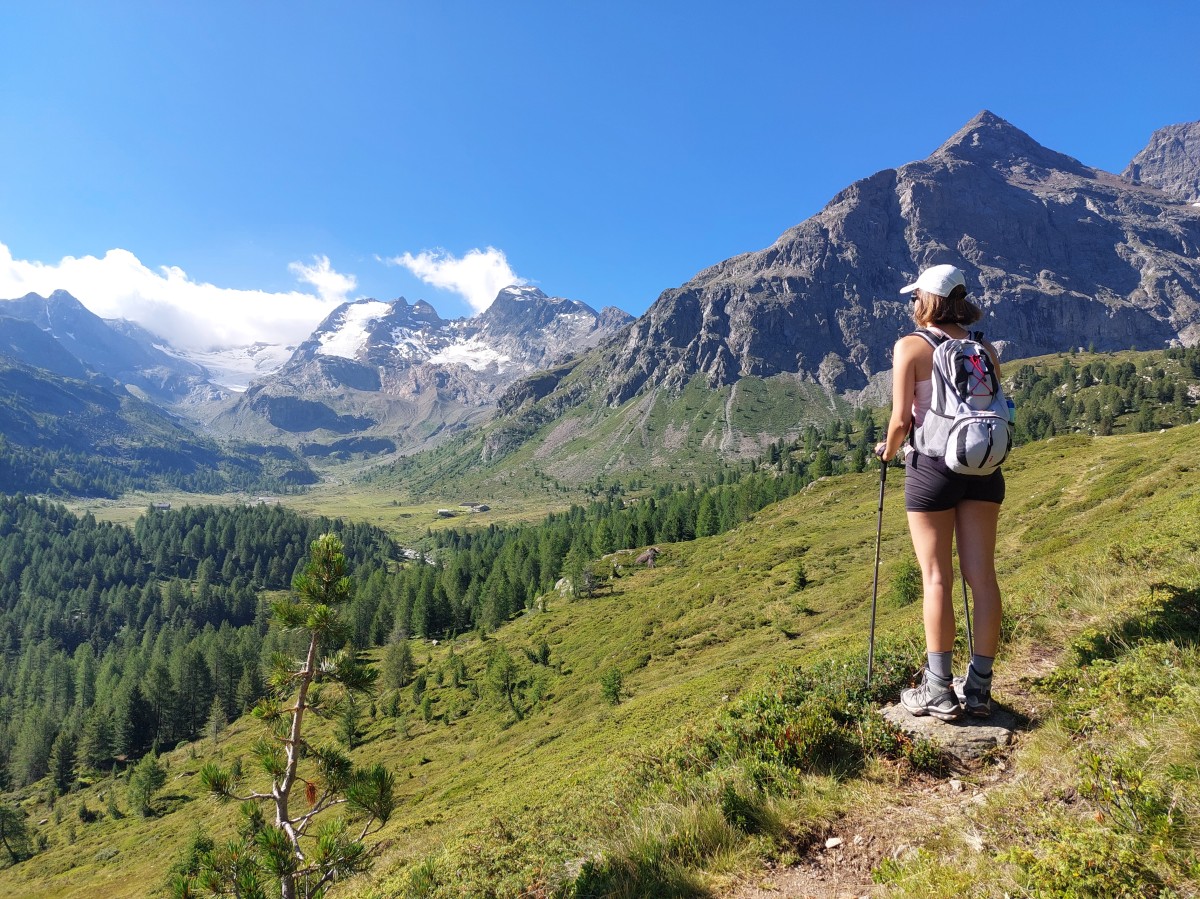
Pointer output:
838, 863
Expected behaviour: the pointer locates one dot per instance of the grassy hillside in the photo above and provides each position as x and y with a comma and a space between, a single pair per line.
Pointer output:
658, 436
1098, 550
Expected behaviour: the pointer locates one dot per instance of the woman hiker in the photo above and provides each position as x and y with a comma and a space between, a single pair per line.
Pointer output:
943, 505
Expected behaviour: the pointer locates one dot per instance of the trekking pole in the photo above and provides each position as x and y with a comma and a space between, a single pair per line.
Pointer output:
966, 609
875, 584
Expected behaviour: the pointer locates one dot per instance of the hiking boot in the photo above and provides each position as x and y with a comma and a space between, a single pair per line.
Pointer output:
975, 693
933, 696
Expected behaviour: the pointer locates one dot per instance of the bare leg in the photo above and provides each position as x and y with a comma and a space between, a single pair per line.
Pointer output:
933, 538
976, 527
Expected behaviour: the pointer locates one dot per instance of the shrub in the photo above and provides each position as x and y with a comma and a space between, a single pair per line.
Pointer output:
800, 579
1081, 861
906, 582
611, 685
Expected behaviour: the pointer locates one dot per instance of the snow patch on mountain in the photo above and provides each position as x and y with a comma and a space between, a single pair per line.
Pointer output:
474, 354
522, 293
236, 367
353, 334
413, 345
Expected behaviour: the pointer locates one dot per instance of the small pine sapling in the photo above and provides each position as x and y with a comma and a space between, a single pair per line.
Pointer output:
301, 846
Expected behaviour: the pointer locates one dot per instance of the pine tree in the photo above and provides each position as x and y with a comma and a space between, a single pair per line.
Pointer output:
708, 519
823, 464
217, 720
145, 780
249, 688
62, 759
502, 675
95, 749
348, 723
575, 570
397, 665
29, 758
301, 847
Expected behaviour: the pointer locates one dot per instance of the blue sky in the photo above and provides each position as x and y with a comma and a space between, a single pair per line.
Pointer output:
256, 162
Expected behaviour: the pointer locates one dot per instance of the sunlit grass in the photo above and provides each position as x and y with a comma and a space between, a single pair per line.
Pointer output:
1089, 530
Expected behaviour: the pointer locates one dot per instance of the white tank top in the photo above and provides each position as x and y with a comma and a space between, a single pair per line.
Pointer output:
922, 399
923, 390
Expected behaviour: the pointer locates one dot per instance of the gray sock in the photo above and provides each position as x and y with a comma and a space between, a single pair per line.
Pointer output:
982, 666
939, 664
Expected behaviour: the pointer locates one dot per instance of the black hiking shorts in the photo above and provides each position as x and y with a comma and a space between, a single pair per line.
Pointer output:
929, 486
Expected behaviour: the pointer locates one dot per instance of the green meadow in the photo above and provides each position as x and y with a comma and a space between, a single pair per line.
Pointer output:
564, 791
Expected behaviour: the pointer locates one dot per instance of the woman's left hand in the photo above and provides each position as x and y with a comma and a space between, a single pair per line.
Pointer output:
879, 448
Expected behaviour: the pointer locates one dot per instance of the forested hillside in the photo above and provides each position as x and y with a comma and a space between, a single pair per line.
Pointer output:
116, 640
1102, 395
167, 622
88, 436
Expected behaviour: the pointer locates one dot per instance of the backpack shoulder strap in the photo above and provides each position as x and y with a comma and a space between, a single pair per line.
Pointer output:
977, 335
934, 340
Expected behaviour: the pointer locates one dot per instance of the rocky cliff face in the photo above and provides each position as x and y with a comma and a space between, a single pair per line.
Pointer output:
400, 368
1170, 162
1057, 254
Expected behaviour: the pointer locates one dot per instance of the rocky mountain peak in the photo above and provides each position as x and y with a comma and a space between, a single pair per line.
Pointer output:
520, 310
989, 139
402, 370
1170, 162
42, 310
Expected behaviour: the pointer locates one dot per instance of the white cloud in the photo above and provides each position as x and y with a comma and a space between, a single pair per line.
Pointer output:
190, 314
331, 286
478, 276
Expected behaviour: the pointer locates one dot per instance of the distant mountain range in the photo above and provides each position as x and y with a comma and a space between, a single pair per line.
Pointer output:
400, 372
1059, 255
372, 378
82, 340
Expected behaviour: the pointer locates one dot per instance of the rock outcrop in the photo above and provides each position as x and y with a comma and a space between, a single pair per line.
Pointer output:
1170, 162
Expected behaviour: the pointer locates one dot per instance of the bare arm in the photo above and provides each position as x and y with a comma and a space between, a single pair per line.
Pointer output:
995, 357
904, 378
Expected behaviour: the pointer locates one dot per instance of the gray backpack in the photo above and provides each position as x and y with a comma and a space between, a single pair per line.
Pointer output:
968, 423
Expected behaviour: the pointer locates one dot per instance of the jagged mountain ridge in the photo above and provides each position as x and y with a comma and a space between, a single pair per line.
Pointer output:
1170, 162
120, 350
400, 370
1058, 254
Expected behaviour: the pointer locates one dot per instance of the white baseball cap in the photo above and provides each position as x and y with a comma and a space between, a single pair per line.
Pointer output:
937, 279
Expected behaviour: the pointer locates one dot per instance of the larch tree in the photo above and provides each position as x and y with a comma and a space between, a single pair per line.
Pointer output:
303, 850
